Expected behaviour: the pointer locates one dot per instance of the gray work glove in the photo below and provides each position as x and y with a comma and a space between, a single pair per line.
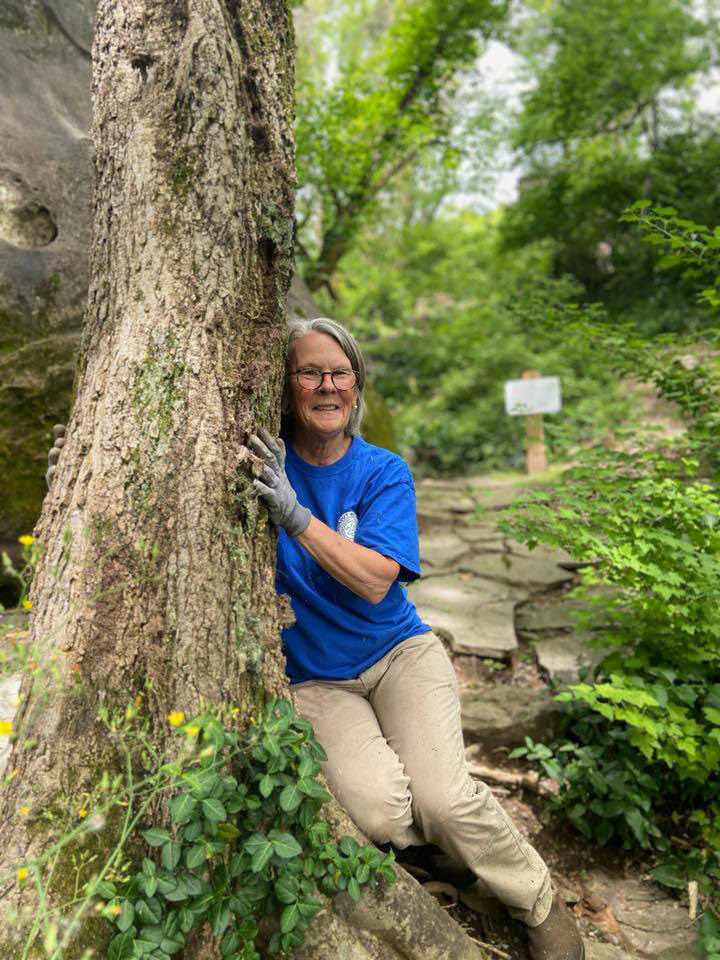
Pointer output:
274, 487
58, 443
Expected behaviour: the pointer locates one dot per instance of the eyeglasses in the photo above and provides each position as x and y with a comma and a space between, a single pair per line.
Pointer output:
310, 378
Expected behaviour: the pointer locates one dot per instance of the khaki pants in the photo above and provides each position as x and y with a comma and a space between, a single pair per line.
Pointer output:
396, 763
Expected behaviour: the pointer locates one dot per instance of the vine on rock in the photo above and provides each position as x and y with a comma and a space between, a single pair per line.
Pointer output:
244, 842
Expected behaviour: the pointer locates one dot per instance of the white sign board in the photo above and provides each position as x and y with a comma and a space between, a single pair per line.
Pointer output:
540, 395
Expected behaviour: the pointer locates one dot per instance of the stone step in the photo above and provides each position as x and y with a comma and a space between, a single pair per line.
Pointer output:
474, 615
503, 715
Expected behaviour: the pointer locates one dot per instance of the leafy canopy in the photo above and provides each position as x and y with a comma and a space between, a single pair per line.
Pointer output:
375, 97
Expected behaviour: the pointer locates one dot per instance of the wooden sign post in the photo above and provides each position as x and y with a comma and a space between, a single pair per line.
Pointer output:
535, 435
532, 397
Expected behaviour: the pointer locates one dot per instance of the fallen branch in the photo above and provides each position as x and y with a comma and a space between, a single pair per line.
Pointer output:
491, 949
543, 786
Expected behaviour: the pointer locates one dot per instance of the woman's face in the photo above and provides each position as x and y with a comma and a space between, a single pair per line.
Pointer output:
326, 411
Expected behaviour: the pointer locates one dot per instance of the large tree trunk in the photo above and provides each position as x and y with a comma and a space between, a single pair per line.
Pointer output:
159, 561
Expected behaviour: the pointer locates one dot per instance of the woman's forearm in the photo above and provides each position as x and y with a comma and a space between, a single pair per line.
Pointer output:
364, 571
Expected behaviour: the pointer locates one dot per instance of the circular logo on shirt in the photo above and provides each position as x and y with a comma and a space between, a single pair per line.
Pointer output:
347, 525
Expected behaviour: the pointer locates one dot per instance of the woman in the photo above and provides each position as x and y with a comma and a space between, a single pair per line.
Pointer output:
371, 677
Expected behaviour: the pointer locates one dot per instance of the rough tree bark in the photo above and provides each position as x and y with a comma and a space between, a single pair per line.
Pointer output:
159, 561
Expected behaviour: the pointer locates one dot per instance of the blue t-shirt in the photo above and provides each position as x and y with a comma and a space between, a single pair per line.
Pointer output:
367, 496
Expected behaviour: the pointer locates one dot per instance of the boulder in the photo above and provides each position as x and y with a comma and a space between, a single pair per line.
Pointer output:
651, 921
564, 655
45, 180
503, 715
594, 950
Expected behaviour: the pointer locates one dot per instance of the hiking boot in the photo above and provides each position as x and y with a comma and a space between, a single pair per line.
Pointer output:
557, 937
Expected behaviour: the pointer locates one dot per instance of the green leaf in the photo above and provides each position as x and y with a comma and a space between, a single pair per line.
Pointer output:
170, 854
266, 785
348, 846
288, 941
172, 945
106, 889
308, 907
353, 888
228, 831
121, 947
286, 888
230, 943
149, 911
289, 918
284, 844
638, 825
153, 933
166, 883
156, 836
247, 928
125, 920
150, 885
219, 917
260, 850
143, 946
271, 744
186, 919
181, 807
195, 856
214, 810
668, 874
179, 892
290, 797
192, 830
314, 789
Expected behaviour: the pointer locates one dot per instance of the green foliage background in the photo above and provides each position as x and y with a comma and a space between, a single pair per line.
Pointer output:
396, 129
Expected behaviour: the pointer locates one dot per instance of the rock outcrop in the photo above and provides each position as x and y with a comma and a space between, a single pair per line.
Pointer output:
45, 178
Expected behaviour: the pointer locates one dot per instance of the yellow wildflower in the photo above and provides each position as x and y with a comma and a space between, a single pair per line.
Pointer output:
6, 728
192, 731
25, 811
23, 873
176, 718
138, 700
26, 540
82, 812
115, 910
27, 604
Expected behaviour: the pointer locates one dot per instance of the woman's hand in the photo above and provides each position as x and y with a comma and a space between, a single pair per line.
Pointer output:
364, 571
274, 487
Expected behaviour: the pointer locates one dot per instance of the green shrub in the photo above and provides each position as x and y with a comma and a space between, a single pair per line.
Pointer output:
639, 762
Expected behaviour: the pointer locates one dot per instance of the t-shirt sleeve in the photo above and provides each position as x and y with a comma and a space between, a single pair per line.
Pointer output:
387, 521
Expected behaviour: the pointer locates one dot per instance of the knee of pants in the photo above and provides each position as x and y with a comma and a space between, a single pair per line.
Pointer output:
385, 819
436, 810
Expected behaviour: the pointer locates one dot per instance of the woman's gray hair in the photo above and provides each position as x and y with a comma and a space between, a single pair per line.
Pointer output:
348, 344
